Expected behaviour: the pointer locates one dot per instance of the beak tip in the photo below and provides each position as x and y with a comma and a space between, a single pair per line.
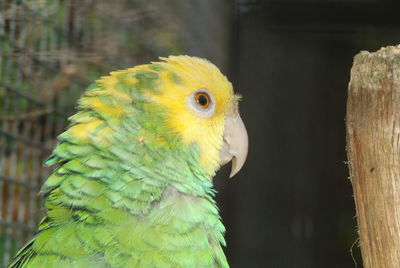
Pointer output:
236, 144
236, 167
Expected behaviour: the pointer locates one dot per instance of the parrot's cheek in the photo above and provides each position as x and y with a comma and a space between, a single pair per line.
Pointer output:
236, 143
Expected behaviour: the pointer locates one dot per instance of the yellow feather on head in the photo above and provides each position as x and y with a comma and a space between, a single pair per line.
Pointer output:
182, 76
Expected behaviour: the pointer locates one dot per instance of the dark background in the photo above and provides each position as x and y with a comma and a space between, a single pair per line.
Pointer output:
291, 205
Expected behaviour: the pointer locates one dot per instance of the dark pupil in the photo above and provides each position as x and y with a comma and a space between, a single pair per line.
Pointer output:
202, 100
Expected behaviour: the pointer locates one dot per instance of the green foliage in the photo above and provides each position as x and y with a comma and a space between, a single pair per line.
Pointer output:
10, 239
58, 48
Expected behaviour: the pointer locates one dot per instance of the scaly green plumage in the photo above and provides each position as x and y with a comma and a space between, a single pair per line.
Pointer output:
127, 191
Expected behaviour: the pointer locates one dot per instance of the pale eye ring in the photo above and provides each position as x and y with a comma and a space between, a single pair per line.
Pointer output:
202, 102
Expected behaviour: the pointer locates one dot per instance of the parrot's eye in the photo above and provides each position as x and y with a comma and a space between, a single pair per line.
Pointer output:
202, 102
202, 99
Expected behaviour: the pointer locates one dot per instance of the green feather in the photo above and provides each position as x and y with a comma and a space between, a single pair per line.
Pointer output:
126, 200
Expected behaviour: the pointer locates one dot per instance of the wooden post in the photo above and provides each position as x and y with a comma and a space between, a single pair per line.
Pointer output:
373, 147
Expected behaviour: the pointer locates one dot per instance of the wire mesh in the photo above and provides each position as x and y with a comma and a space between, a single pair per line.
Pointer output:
50, 50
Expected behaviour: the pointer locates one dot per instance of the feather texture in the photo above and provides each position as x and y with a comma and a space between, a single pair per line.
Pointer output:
132, 186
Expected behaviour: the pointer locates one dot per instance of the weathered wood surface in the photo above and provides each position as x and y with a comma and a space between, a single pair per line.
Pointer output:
373, 144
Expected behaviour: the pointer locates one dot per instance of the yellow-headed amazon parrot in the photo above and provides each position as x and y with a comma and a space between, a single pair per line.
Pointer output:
133, 185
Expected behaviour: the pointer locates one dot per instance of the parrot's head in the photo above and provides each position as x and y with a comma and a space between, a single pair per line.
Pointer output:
203, 110
163, 110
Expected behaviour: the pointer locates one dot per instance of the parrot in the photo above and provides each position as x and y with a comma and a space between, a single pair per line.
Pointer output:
132, 184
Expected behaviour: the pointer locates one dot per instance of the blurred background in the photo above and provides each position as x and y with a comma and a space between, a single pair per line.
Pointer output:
291, 205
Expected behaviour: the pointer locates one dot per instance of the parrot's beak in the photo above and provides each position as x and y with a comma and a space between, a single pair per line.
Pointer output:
236, 143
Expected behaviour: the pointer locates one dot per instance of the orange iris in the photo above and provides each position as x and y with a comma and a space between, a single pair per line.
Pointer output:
202, 99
